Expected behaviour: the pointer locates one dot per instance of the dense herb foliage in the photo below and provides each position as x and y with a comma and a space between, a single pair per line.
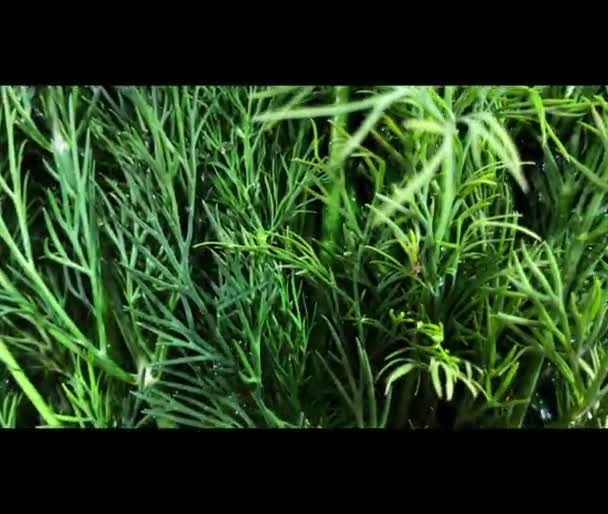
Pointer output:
403, 257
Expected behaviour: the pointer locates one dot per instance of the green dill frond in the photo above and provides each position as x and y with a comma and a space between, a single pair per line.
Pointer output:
303, 256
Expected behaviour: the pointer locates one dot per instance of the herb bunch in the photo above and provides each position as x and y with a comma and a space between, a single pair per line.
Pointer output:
293, 257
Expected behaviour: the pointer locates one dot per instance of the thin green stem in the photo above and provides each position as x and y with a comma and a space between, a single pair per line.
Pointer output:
526, 390
406, 395
331, 217
27, 387
17, 195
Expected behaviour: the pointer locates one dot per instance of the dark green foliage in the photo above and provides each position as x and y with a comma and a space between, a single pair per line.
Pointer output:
408, 257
